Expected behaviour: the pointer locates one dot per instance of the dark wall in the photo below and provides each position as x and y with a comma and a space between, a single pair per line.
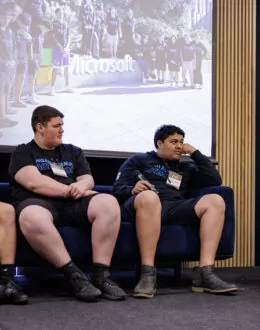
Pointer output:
104, 170
257, 195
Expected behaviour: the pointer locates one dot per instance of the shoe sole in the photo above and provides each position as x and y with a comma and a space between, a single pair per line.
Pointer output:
89, 299
202, 290
107, 297
144, 295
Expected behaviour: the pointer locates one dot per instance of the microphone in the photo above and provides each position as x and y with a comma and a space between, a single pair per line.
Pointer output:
141, 177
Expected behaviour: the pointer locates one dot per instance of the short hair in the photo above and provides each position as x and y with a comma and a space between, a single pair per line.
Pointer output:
57, 10
25, 19
43, 114
164, 131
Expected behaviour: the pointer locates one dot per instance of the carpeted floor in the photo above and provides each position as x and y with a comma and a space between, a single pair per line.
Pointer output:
175, 307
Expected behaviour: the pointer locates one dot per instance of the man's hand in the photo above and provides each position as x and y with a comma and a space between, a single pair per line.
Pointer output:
141, 186
89, 193
78, 190
188, 149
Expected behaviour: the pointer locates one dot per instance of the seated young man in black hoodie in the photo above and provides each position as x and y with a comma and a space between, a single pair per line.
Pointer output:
172, 179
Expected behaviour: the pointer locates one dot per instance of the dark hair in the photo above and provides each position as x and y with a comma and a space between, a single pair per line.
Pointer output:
25, 19
166, 130
57, 10
43, 114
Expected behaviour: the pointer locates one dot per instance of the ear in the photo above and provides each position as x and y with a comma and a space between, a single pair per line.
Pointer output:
39, 127
159, 144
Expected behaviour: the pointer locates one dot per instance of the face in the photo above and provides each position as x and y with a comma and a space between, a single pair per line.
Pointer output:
173, 39
187, 38
5, 20
171, 148
137, 38
60, 15
51, 133
113, 12
130, 13
16, 12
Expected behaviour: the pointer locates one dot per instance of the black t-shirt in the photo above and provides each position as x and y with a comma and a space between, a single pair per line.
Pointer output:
112, 25
87, 16
173, 54
68, 156
61, 32
100, 21
129, 26
161, 51
200, 50
188, 52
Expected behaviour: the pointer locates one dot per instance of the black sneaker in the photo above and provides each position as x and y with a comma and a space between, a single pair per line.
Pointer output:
205, 280
11, 293
83, 288
146, 287
110, 290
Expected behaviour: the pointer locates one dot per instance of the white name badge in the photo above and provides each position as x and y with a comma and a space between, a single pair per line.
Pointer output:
174, 180
58, 170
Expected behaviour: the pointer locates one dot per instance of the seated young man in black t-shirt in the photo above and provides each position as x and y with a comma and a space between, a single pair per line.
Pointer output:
9, 290
52, 186
172, 180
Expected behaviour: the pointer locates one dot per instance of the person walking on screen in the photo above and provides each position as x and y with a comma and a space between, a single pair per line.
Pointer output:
61, 50
173, 179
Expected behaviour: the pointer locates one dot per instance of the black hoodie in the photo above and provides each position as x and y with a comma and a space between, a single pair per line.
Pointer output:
197, 174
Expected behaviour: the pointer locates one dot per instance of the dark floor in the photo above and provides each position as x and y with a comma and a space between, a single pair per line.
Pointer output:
175, 306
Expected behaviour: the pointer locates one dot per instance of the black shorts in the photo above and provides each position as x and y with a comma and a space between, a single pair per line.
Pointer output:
67, 212
181, 212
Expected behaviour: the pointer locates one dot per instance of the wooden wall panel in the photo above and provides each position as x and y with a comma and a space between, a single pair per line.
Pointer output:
235, 117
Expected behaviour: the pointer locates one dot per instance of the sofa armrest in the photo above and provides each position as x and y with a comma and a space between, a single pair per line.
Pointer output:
5, 192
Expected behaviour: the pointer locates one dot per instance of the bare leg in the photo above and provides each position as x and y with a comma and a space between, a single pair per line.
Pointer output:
2, 104
36, 224
148, 225
184, 73
7, 234
104, 214
66, 75
19, 81
54, 76
211, 210
191, 77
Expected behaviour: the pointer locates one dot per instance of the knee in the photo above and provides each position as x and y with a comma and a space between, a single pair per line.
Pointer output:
109, 205
7, 215
147, 200
32, 220
216, 202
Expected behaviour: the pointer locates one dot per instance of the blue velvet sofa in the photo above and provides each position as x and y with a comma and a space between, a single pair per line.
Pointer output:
177, 243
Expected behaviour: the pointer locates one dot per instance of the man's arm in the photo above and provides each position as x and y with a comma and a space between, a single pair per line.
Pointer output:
126, 180
30, 178
84, 180
203, 172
